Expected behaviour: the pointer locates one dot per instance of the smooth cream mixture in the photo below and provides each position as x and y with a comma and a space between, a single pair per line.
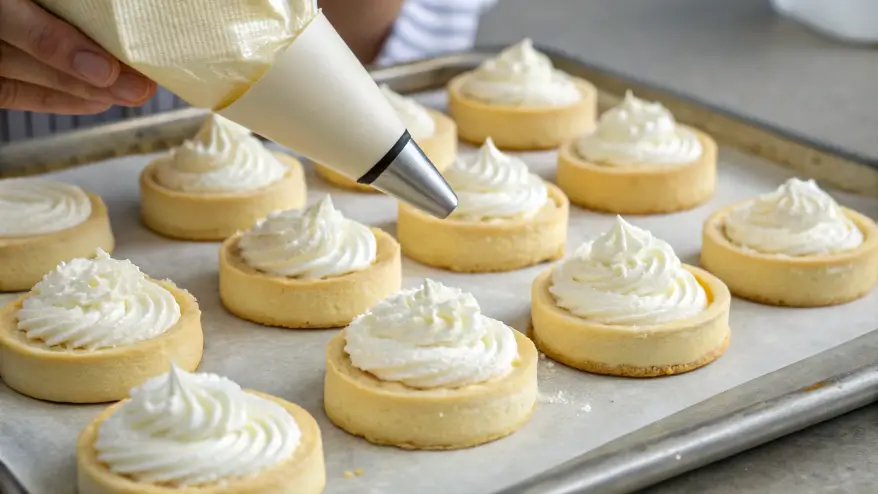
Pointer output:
207, 52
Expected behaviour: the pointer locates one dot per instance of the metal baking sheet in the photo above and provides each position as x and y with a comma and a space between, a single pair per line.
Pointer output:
577, 413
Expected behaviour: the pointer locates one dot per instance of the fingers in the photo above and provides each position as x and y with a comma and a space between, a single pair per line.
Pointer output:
16, 64
56, 43
18, 95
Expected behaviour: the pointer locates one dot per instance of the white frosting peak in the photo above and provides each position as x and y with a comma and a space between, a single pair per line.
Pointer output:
797, 219
627, 277
639, 132
415, 116
431, 337
31, 206
96, 303
316, 243
222, 157
494, 185
183, 429
521, 76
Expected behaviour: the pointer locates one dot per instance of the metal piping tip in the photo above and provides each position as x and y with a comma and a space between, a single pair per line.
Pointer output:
408, 175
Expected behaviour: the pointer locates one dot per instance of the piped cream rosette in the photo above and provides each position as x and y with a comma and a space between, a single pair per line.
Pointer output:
425, 369
624, 304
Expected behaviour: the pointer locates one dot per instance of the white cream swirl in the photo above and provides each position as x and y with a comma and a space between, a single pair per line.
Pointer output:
431, 337
639, 132
797, 219
222, 157
627, 277
180, 429
523, 77
494, 185
96, 303
317, 243
31, 206
415, 116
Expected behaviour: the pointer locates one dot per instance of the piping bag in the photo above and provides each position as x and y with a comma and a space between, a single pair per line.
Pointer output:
277, 67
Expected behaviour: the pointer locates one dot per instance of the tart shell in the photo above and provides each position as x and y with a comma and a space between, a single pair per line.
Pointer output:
25, 260
638, 189
394, 414
643, 351
441, 148
308, 303
211, 216
806, 281
480, 247
82, 376
521, 128
304, 472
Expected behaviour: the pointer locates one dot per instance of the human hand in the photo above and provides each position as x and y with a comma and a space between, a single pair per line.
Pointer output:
47, 65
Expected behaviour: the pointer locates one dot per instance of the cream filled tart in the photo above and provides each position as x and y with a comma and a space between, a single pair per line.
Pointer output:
792, 247
93, 328
625, 305
200, 434
521, 101
435, 133
221, 181
507, 218
425, 369
43, 223
638, 160
307, 269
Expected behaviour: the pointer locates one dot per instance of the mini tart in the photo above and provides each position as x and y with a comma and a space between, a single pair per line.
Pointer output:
307, 303
792, 281
394, 414
97, 376
302, 473
521, 128
638, 189
645, 351
479, 247
213, 215
25, 260
441, 148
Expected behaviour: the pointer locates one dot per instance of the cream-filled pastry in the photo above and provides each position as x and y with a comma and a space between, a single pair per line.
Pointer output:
793, 246
200, 433
307, 269
425, 369
521, 100
435, 133
43, 223
507, 218
218, 182
624, 304
92, 328
638, 160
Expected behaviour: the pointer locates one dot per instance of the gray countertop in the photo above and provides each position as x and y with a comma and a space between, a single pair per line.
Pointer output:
740, 55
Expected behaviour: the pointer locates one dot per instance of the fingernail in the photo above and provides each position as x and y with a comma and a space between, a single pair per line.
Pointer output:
130, 87
95, 68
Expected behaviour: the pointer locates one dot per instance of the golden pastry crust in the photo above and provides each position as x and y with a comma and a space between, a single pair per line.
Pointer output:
480, 247
307, 304
395, 414
25, 260
638, 189
82, 376
645, 351
441, 148
806, 281
211, 216
517, 128
302, 473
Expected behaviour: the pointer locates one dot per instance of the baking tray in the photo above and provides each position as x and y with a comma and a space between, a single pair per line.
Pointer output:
590, 433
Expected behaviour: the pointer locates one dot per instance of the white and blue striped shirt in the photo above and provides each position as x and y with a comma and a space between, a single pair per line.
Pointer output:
424, 28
